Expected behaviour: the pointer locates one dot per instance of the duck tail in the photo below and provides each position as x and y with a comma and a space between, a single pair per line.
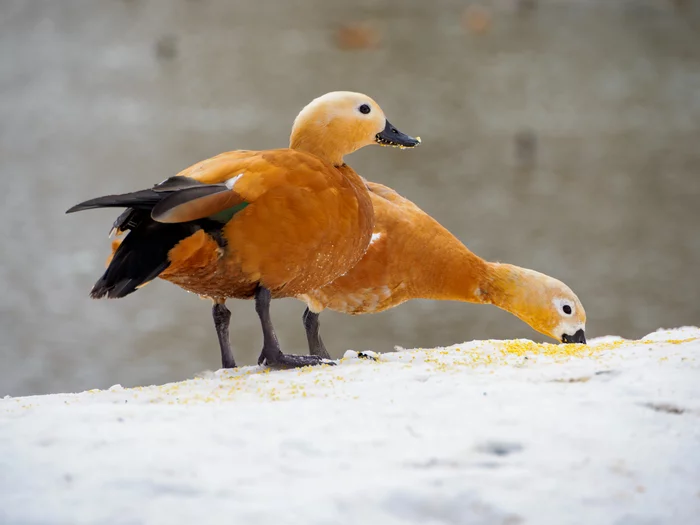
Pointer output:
140, 200
143, 254
140, 257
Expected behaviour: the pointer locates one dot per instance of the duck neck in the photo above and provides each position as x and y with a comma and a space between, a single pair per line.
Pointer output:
456, 274
329, 146
467, 277
497, 285
513, 289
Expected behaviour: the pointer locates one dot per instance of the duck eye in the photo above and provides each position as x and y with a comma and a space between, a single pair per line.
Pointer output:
567, 309
364, 109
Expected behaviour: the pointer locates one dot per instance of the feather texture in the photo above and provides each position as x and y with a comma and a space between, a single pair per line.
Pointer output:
412, 256
292, 222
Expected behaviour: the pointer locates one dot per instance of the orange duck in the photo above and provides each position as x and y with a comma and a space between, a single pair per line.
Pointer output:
411, 256
255, 224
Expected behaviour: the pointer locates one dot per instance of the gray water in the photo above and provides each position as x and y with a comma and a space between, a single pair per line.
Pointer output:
565, 138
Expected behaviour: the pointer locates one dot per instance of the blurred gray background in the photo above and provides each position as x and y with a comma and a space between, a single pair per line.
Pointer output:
558, 135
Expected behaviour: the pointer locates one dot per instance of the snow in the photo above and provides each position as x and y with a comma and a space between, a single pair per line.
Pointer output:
486, 432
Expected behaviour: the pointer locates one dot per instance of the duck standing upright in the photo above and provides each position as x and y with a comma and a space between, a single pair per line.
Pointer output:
412, 256
255, 224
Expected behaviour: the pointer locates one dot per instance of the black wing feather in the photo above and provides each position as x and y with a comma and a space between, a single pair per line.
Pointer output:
177, 183
143, 254
173, 200
141, 257
143, 200
128, 220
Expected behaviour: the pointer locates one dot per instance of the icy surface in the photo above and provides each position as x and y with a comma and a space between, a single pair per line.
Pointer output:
487, 432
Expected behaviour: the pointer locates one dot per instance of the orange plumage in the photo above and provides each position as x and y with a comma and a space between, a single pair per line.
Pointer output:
307, 222
263, 224
411, 256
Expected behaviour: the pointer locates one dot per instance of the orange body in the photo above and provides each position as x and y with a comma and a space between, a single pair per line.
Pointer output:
255, 224
290, 220
307, 223
410, 256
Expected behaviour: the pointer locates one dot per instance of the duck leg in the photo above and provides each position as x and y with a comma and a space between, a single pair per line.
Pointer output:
312, 325
222, 319
271, 353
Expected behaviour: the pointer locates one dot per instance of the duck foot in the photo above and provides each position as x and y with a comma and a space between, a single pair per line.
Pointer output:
284, 361
271, 353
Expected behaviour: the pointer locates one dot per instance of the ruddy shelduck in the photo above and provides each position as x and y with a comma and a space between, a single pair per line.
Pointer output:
411, 256
256, 224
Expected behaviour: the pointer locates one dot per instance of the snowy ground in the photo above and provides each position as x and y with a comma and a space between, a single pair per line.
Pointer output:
488, 432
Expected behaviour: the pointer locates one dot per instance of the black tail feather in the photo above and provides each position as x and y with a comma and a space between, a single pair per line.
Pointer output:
142, 200
141, 257
143, 254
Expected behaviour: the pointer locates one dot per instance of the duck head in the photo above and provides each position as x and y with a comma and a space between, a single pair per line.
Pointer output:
546, 304
340, 122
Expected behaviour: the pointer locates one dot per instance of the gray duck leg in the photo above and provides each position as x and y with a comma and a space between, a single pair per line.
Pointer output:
312, 326
271, 353
222, 319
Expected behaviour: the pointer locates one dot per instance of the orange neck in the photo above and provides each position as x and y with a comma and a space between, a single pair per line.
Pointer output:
460, 275
497, 284
450, 272
327, 144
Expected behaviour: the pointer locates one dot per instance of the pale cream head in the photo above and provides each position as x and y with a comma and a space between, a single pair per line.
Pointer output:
545, 303
340, 122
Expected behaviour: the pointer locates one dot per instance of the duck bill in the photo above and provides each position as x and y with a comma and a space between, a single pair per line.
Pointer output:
579, 337
390, 136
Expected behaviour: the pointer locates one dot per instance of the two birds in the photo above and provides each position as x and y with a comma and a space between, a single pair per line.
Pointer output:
299, 222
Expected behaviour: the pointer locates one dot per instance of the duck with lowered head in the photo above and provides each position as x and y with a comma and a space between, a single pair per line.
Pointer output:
412, 256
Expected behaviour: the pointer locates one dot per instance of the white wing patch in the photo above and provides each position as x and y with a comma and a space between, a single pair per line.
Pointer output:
375, 238
230, 183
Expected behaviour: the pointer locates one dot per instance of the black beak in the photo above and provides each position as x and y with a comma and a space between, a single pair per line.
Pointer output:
393, 137
579, 337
